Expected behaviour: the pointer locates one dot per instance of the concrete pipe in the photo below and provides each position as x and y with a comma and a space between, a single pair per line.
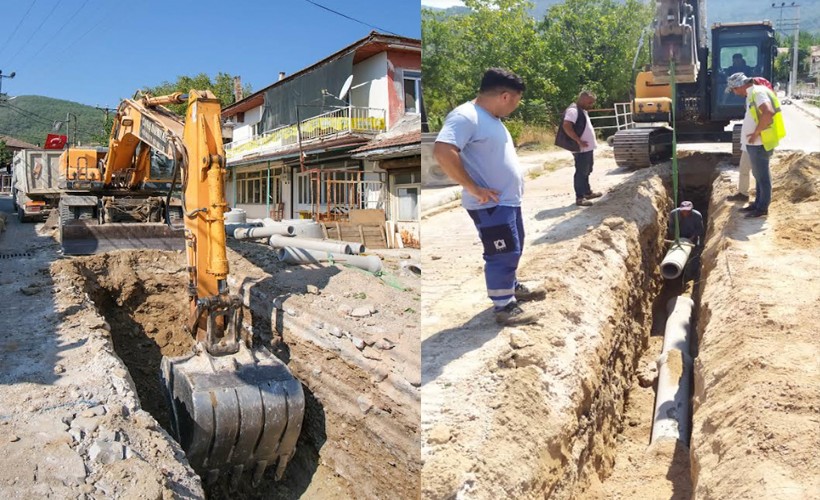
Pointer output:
236, 216
280, 241
230, 228
243, 233
292, 255
306, 228
675, 260
672, 415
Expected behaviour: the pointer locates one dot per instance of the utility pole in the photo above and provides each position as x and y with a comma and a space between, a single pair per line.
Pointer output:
1, 80
791, 23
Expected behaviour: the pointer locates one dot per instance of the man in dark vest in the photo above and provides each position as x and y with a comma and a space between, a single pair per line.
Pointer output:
578, 128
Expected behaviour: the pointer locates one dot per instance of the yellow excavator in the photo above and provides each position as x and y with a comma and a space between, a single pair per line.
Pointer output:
235, 408
702, 109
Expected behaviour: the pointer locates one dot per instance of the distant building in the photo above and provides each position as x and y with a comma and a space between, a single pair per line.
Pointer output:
299, 151
814, 62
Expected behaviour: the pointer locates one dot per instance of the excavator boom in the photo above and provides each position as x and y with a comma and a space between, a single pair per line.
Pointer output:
235, 408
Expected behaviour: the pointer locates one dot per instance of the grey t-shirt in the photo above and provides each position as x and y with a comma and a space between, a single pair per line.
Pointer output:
691, 227
487, 153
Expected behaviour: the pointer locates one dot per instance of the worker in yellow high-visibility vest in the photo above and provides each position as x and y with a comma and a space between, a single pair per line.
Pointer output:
761, 132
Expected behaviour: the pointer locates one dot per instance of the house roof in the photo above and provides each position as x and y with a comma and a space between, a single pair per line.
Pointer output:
368, 46
404, 136
16, 143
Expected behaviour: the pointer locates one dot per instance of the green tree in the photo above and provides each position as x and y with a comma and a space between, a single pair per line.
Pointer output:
221, 85
5, 155
578, 44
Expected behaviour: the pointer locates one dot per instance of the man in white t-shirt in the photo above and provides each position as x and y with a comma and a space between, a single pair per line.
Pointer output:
579, 128
758, 97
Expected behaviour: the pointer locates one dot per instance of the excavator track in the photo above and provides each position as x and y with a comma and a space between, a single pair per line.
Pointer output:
641, 147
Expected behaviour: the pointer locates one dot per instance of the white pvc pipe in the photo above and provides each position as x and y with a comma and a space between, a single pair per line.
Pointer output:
243, 233
675, 260
672, 411
279, 241
292, 255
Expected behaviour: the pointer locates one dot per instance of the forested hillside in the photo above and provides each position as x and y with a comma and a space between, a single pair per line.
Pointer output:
30, 118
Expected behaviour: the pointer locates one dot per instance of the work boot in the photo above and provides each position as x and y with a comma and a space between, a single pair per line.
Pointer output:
749, 208
581, 202
513, 315
593, 195
757, 213
524, 294
738, 197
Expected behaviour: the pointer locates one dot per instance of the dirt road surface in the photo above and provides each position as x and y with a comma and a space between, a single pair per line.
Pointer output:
557, 410
82, 412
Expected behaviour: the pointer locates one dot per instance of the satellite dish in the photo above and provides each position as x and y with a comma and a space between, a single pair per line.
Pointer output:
345, 88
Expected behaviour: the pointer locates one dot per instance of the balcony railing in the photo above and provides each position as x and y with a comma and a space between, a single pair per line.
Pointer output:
350, 120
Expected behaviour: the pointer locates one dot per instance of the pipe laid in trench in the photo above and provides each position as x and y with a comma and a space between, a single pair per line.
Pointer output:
671, 419
279, 241
242, 233
291, 255
676, 257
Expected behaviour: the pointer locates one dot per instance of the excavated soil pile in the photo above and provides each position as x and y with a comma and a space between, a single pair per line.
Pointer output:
352, 339
756, 430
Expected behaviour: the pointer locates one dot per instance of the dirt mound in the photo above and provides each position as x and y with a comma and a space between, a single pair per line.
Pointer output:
796, 178
755, 429
796, 199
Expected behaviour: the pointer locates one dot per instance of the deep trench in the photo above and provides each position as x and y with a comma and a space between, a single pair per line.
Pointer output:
146, 314
696, 176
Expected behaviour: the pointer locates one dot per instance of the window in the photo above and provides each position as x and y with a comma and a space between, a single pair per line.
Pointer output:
240, 117
408, 203
412, 91
739, 59
250, 187
259, 128
406, 187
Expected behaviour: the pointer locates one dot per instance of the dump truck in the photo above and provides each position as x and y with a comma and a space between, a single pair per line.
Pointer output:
35, 183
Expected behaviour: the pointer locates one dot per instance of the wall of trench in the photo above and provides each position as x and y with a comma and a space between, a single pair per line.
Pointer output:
581, 453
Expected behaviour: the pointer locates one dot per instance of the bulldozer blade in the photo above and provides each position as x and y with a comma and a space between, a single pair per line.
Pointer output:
234, 413
81, 238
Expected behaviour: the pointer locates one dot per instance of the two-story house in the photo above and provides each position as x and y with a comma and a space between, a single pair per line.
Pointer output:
292, 148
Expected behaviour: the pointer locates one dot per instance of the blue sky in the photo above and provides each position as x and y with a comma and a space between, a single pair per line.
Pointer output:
111, 48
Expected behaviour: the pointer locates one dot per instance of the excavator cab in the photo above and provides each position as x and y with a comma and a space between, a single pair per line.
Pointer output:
739, 47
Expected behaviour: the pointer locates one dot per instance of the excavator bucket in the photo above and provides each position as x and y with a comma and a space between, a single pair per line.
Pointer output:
85, 238
234, 413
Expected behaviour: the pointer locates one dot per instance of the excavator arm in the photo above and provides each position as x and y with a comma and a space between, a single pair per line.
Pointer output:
235, 408
679, 32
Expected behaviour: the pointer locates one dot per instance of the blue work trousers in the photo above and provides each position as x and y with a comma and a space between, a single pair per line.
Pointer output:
501, 230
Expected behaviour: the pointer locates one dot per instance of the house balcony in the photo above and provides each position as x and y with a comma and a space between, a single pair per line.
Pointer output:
341, 122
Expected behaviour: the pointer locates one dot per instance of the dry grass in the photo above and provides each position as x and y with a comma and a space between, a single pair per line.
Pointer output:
537, 138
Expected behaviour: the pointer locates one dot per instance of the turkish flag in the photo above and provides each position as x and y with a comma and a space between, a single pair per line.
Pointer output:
54, 141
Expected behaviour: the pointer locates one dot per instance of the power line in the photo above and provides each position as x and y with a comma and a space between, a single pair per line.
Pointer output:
351, 18
6, 44
25, 114
55, 34
34, 31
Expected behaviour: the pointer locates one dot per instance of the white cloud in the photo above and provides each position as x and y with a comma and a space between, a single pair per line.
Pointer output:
442, 4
